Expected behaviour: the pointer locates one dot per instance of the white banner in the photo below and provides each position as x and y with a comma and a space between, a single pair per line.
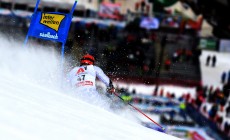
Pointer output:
224, 45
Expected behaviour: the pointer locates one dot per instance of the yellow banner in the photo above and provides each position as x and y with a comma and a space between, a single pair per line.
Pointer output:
53, 21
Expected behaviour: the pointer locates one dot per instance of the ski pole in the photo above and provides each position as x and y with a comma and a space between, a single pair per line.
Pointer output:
140, 112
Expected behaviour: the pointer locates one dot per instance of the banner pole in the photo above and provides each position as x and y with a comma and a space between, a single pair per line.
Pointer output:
62, 63
74, 6
36, 7
63, 44
26, 40
62, 53
35, 10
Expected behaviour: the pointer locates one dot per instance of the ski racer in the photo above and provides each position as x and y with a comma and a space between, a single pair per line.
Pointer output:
83, 77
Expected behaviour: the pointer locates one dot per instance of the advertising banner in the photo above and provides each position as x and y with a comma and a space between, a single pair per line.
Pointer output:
207, 44
224, 45
110, 10
50, 26
150, 23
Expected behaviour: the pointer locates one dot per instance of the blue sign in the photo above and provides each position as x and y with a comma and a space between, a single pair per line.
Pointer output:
50, 26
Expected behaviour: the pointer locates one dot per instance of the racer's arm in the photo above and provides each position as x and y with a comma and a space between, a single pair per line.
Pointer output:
105, 79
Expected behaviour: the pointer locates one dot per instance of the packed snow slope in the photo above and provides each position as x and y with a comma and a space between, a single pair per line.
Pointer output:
33, 107
211, 76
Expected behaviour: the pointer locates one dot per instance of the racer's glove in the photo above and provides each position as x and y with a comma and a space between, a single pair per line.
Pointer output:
110, 89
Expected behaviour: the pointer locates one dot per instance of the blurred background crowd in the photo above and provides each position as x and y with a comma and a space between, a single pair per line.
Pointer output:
183, 43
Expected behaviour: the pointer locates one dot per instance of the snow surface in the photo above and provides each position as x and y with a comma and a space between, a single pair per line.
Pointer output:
211, 76
34, 107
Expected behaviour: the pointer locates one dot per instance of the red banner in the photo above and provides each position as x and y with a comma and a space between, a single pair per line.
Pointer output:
110, 10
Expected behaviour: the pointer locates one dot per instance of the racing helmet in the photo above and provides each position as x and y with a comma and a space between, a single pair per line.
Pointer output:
87, 60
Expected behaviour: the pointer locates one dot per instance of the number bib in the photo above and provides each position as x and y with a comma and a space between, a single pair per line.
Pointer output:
85, 80
84, 77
